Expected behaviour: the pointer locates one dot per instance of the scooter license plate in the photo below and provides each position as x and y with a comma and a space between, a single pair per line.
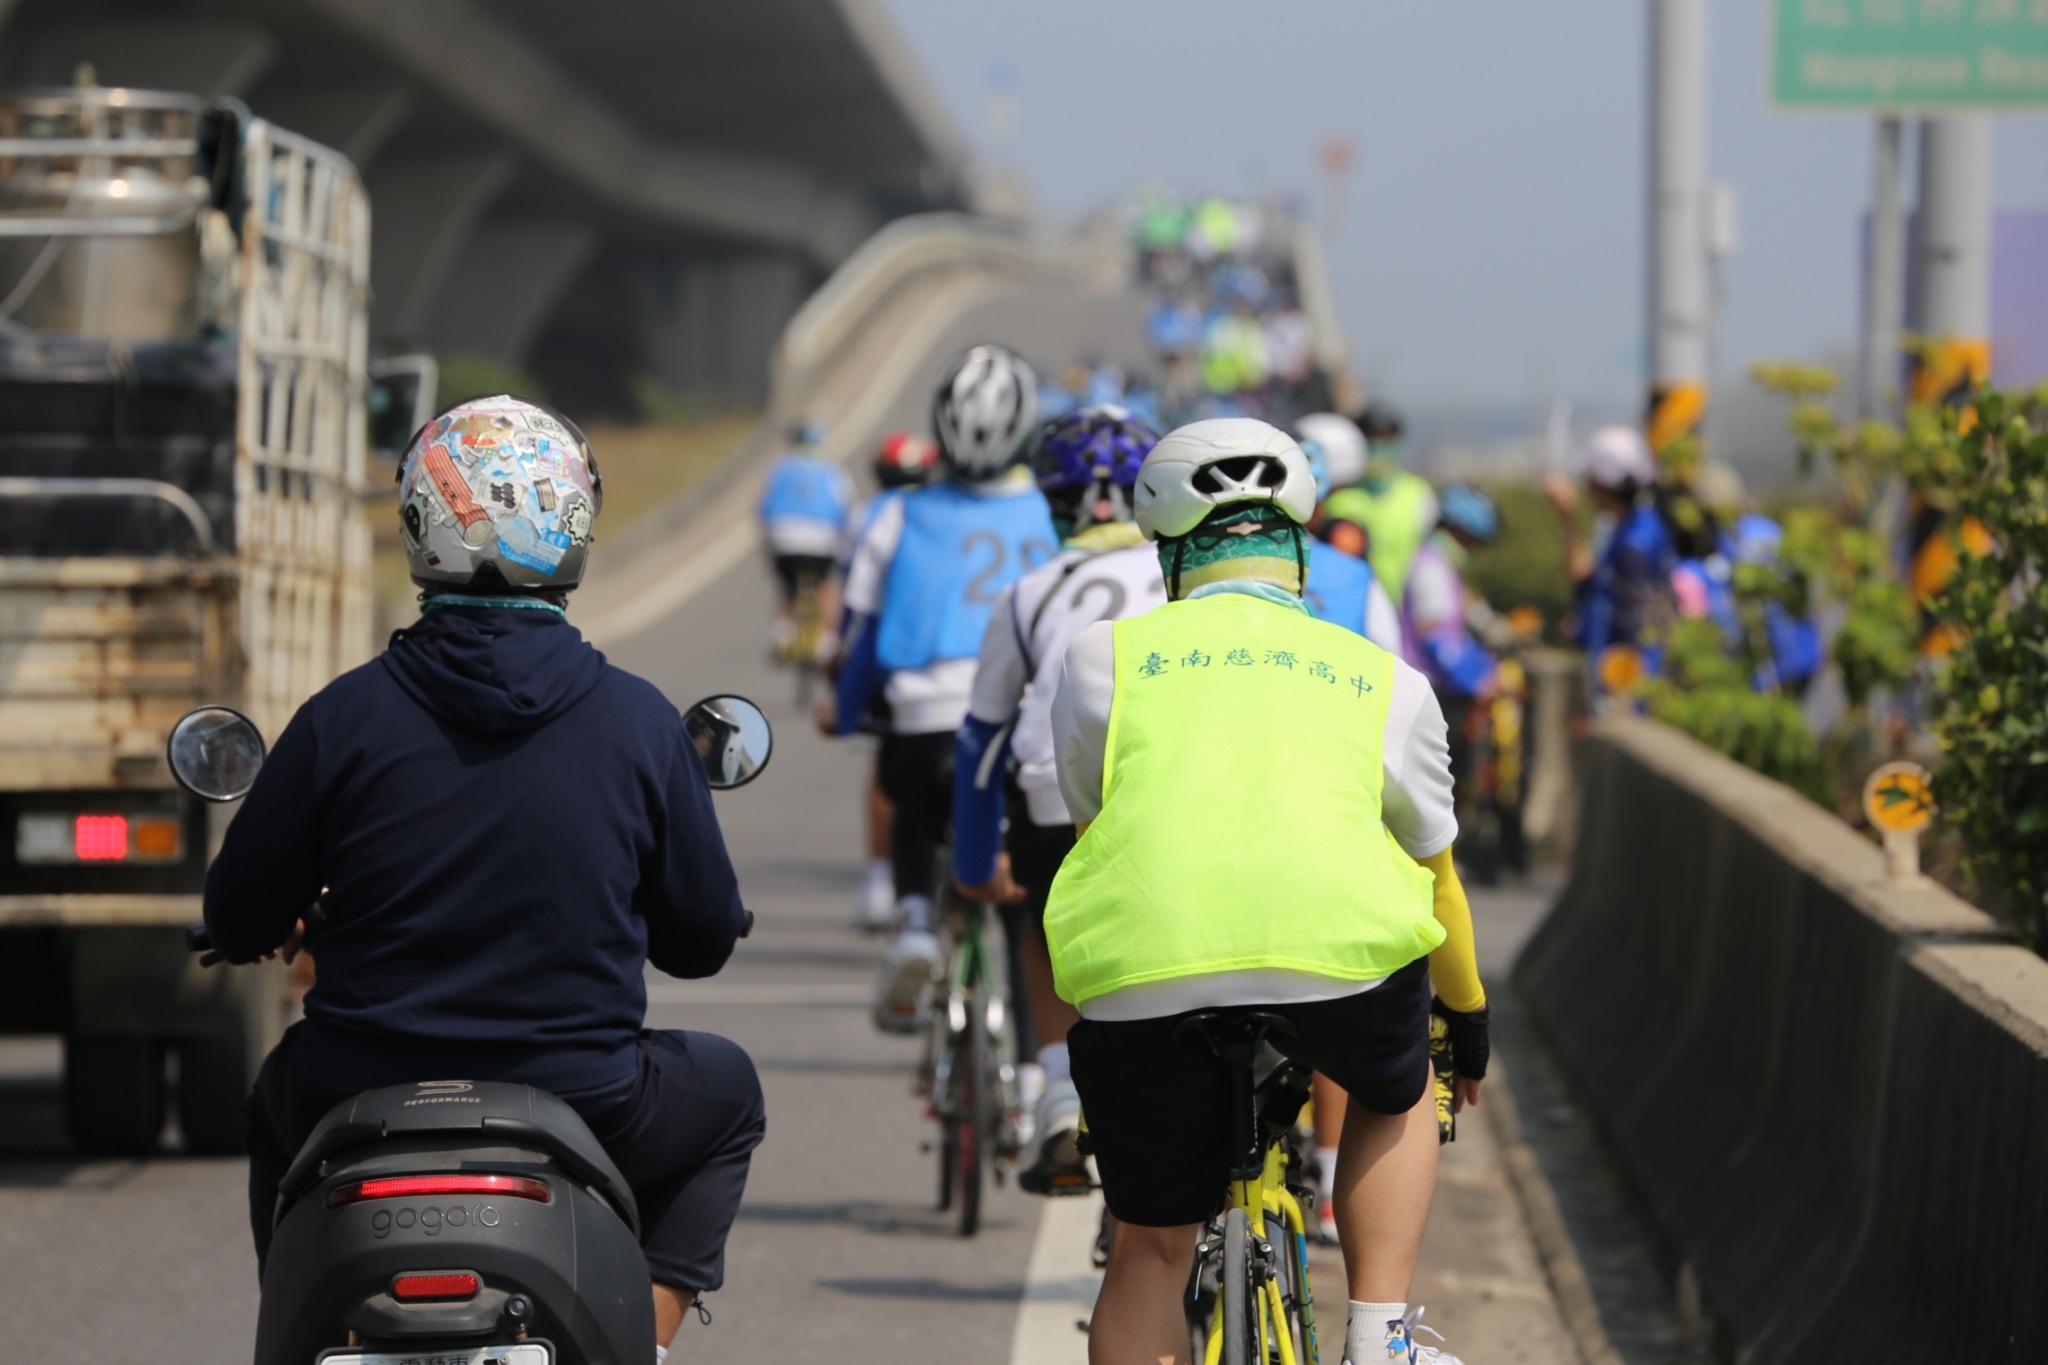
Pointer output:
521, 1353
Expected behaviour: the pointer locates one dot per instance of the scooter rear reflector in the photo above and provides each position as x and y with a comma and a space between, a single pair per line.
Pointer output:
416, 1287
412, 1186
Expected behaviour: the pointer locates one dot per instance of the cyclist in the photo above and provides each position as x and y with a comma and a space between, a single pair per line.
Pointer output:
1395, 509
1086, 466
1267, 822
503, 831
904, 460
803, 512
1341, 585
1436, 610
1622, 574
925, 575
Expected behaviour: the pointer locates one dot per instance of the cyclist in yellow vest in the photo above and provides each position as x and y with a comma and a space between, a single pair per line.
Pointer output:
1265, 810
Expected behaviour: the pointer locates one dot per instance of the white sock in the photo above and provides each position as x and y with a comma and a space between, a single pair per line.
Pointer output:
1365, 1332
881, 869
917, 912
1053, 1057
1326, 1174
661, 1355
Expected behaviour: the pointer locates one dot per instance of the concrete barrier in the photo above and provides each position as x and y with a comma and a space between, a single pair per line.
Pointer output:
1830, 1091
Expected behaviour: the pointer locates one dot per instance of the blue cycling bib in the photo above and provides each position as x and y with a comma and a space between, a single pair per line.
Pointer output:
958, 553
804, 488
1338, 585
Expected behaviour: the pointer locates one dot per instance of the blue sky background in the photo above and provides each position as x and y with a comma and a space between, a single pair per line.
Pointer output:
1493, 252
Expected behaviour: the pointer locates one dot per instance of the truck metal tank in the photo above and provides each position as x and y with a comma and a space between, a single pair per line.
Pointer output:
101, 205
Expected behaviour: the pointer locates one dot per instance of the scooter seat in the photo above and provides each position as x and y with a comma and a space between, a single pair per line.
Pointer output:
496, 1111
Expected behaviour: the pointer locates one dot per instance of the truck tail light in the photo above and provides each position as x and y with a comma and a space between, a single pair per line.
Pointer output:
98, 837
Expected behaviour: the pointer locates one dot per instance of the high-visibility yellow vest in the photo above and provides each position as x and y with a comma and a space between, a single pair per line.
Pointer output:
1393, 514
1240, 824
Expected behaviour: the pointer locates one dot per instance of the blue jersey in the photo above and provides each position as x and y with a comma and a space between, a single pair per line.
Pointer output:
959, 551
805, 488
1631, 585
1338, 586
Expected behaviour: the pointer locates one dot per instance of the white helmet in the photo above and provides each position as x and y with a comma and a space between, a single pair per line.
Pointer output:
986, 413
1617, 457
1344, 448
716, 726
498, 492
1222, 462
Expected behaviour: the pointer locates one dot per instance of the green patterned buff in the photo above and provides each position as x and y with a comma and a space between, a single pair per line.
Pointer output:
1256, 543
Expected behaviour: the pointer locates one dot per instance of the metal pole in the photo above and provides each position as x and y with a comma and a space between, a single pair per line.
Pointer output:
1953, 253
1680, 305
1884, 285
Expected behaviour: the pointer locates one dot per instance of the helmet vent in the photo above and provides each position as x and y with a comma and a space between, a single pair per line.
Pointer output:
1241, 474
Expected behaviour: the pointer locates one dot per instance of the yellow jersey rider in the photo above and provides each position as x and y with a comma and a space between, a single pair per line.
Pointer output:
1265, 809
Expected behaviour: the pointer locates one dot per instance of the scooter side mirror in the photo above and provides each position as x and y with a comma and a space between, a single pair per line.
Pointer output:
733, 739
215, 753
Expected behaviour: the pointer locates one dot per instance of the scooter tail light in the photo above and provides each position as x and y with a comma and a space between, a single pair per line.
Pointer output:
445, 1285
416, 1186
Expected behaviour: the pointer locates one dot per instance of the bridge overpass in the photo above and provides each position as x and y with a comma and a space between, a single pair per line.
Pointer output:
595, 191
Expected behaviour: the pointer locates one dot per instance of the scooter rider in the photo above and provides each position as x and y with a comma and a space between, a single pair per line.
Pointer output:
503, 830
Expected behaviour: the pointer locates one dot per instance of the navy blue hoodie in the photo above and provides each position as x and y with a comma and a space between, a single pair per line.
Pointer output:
507, 828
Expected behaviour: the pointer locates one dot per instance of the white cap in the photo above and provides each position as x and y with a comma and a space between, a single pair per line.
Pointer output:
1344, 448
1617, 456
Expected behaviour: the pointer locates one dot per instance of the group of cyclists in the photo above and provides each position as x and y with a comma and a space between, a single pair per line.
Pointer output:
1296, 604
1136, 683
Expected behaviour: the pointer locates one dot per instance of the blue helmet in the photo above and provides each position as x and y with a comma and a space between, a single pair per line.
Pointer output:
1318, 467
1465, 509
1088, 462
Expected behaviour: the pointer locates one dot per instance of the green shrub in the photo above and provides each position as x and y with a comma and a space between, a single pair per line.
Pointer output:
1706, 692
1525, 566
1991, 699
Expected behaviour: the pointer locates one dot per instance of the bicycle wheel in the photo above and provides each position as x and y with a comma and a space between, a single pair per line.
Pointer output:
1290, 1269
1239, 1329
975, 1130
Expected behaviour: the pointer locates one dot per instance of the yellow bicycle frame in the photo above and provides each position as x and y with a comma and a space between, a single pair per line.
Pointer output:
1264, 1198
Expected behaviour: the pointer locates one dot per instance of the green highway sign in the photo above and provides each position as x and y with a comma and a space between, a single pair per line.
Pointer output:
1910, 54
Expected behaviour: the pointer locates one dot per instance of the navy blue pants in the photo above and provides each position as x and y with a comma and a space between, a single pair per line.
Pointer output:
683, 1139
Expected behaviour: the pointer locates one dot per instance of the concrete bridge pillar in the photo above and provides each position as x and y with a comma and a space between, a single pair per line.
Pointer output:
424, 211
708, 324
505, 285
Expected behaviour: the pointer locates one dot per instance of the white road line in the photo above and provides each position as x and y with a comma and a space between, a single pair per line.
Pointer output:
1060, 1285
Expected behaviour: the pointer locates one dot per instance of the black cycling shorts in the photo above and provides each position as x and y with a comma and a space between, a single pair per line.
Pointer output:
790, 570
1158, 1110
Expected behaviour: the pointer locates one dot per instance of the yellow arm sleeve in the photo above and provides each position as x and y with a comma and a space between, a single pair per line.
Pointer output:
1454, 966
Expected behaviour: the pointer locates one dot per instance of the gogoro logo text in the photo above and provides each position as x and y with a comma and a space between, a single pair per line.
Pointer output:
431, 1220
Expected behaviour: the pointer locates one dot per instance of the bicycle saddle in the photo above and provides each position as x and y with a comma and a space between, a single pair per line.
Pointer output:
1221, 1029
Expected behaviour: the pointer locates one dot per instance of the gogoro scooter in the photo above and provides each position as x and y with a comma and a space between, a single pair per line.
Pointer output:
453, 1222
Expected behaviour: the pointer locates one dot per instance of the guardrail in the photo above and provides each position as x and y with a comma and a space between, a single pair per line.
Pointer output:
1830, 1091
911, 249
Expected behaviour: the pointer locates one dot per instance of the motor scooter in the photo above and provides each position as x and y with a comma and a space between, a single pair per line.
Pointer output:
452, 1222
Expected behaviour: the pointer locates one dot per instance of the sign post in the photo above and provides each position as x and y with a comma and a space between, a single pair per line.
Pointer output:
1899, 802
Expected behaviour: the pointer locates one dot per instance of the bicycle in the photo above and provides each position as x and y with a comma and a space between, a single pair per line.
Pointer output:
807, 635
1249, 1301
970, 1063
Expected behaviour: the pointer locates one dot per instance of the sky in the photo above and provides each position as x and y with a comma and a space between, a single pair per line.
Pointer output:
1492, 252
